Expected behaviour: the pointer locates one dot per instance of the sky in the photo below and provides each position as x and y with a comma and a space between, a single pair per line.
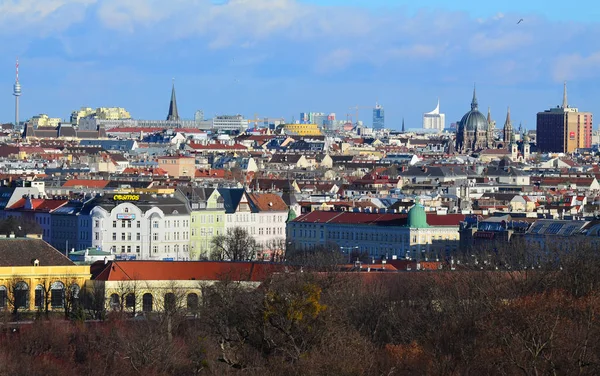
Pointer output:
278, 58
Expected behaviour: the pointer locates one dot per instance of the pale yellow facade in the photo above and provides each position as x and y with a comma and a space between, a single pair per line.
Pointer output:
31, 277
43, 120
149, 296
104, 113
302, 129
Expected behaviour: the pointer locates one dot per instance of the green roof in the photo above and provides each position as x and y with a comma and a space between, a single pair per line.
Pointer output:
417, 218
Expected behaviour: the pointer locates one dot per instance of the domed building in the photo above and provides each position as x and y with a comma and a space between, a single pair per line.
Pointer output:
417, 218
474, 131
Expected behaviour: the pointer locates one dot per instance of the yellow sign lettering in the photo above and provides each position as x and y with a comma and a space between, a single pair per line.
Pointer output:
126, 197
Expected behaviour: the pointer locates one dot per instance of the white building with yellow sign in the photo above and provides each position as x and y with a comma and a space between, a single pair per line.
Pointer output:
140, 226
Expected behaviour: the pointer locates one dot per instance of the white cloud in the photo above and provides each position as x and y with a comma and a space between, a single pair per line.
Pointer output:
43, 15
576, 66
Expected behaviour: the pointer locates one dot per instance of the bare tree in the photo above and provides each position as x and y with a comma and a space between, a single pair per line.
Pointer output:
94, 300
236, 245
17, 294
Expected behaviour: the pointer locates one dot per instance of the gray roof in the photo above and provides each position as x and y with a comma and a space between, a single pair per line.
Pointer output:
23, 251
169, 205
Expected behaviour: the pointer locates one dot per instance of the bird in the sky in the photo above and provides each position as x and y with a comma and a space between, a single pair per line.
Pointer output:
521, 20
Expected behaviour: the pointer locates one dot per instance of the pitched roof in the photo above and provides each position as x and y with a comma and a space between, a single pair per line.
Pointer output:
22, 252
188, 270
267, 202
376, 219
86, 183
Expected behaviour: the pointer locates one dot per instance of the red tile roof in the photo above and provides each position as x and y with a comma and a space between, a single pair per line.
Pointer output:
86, 183
266, 202
376, 219
217, 147
188, 270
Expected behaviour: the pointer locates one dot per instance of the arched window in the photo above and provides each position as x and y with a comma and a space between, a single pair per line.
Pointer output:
57, 294
38, 298
22, 295
3, 297
130, 301
170, 302
114, 302
147, 301
192, 302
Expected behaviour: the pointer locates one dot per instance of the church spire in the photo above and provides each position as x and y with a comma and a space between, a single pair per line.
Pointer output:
565, 103
489, 117
508, 122
173, 113
474, 103
508, 131
402, 125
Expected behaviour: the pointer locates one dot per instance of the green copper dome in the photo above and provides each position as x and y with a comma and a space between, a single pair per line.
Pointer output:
417, 217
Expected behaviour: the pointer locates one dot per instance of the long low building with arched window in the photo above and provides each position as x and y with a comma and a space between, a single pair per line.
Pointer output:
136, 287
34, 276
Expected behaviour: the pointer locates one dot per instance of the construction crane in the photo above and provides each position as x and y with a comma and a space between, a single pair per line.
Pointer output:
255, 121
357, 108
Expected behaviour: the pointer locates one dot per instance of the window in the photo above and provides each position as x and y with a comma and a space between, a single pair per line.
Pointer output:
137, 249
3, 297
155, 249
138, 224
126, 210
170, 302
155, 236
57, 294
155, 224
114, 236
123, 236
114, 224
192, 302
130, 301
96, 223
96, 236
128, 224
114, 302
38, 297
122, 249
138, 236
128, 249
122, 224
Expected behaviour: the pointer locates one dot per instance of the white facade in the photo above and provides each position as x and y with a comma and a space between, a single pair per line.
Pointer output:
265, 227
128, 232
434, 119
230, 123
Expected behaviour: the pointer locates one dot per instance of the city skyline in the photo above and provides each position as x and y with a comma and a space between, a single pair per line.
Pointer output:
294, 64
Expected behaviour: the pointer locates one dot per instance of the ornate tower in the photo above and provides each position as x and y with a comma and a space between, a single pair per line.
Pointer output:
173, 113
17, 94
508, 129
490, 129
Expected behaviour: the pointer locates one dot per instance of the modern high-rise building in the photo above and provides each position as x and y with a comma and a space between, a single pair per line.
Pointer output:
563, 129
378, 117
434, 119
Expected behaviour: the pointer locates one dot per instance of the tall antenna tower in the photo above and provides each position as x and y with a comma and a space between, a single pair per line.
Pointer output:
17, 94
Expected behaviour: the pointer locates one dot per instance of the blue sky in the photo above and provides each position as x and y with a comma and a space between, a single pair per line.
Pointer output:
281, 57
